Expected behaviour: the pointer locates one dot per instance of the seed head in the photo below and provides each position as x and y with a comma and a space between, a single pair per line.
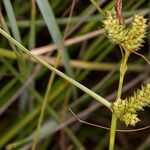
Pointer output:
126, 110
131, 38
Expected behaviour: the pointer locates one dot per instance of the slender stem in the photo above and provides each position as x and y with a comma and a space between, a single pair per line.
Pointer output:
112, 132
61, 74
123, 69
32, 25
48, 89
98, 8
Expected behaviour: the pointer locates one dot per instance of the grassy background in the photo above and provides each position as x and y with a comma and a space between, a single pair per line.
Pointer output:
91, 60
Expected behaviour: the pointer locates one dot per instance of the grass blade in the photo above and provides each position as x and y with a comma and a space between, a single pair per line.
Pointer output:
54, 30
13, 22
64, 76
21, 61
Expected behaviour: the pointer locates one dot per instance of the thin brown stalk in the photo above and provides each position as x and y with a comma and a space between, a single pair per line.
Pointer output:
71, 41
119, 11
107, 128
142, 57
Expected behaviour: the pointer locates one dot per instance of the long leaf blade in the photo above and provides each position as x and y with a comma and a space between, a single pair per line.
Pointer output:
54, 30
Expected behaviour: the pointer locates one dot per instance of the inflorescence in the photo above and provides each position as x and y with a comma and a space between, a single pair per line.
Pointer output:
130, 38
126, 110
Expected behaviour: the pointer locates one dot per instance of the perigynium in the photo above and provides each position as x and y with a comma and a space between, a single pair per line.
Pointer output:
126, 110
130, 38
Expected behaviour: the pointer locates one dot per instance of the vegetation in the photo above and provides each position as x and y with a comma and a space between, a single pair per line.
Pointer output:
92, 46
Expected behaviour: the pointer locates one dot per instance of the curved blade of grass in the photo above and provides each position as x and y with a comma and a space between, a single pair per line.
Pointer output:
64, 76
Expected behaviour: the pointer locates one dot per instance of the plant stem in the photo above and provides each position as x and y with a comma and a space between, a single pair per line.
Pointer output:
98, 8
123, 69
61, 74
112, 132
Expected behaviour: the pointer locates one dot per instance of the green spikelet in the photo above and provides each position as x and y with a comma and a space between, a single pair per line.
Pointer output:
116, 32
126, 110
139, 100
130, 119
131, 38
136, 33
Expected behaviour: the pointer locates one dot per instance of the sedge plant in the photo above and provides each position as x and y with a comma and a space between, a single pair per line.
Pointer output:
130, 40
